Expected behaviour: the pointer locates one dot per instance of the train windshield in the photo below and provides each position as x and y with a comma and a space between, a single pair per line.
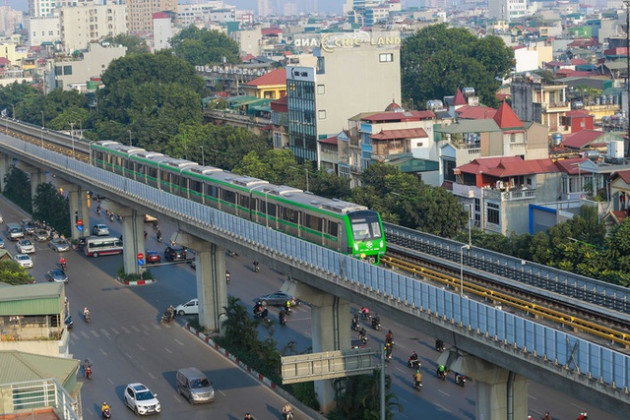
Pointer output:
365, 226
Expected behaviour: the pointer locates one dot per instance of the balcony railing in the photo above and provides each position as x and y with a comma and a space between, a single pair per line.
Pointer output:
511, 195
37, 396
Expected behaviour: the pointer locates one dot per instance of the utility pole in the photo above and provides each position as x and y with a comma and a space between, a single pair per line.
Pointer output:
627, 4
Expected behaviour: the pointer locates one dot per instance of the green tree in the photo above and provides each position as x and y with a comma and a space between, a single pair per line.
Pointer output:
358, 398
14, 274
437, 60
50, 206
12, 95
201, 47
134, 44
17, 188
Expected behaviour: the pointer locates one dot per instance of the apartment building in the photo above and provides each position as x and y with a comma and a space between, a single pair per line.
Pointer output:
82, 25
354, 72
140, 13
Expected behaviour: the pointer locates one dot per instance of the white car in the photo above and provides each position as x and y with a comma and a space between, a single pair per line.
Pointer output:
141, 400
24, 260
100, 230
189, 308
25, 246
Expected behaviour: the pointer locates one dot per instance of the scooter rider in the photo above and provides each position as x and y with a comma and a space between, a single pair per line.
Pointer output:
389, 338
439, 345
417, 379
104, 407
287, 412
413, 360
376, 322
365, 312
283, 317
63, 263
363, 335
441, 372
355, 322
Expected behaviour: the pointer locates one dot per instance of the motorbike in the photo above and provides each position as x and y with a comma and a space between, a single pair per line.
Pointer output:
288, 415
256, 267
87, 317
168, 316
106, 414
355, 323
376, 323
111, 217
363, 338
417, 385
227, 276
414, 362
460, 379
69, 323
283, 318
159, 237
64, 266
441, 375
87, 367
439, 346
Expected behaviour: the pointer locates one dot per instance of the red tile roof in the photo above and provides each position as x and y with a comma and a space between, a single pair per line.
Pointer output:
160, 15
625, 175
273, 78
476, 112
271, 31
571, 166
578, 61
406, 133
459, 98
506, 166
581, 138
399, 116
329, 140
506, 118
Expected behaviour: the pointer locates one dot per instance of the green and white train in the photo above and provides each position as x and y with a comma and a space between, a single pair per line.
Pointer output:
340, 225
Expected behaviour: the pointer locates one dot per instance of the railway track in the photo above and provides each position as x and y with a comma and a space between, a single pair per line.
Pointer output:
532, 302
525, 300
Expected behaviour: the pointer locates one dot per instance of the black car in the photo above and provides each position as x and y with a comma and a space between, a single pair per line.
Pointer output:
277, 299
175, 253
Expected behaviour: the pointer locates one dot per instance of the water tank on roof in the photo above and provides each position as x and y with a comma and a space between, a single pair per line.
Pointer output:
468, 91
591, 154
556, 139
614, 149
434, 104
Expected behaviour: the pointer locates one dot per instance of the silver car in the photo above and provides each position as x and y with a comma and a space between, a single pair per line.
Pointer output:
24, 246
59, 245
24, 260
100, 230
57, 275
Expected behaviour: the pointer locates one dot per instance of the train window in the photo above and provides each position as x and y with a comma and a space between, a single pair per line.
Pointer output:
243, 201
164, 176
195, 185
313, 222
175, 180
271, 209
140, 169
290, 215
212, 191
333, 229
228, 196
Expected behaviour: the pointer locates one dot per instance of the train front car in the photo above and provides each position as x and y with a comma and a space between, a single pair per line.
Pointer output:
367, 240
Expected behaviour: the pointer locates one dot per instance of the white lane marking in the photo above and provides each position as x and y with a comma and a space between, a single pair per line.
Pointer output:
152, 375
179, 342
84, 334
443, 392
103, 352
95, 334
128, 356
105, 333
222, 393
125, 330
156, 326
136, 329
115, 331
110, 381
168, 350
140, 347
442, 407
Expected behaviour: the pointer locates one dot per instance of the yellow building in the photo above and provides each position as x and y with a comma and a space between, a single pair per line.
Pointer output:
272, 85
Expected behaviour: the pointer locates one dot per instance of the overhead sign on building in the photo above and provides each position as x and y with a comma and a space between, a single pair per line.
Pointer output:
327, 365
331, 41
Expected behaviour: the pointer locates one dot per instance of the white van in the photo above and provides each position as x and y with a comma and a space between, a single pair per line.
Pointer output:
193, 385
14, 231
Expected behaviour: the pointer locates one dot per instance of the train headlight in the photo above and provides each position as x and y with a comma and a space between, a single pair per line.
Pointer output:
356, 246
382, 244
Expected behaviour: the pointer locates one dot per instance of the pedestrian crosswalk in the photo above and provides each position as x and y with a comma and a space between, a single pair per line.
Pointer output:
112, 333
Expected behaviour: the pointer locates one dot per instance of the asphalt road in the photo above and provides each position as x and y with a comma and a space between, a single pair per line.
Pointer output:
127, 343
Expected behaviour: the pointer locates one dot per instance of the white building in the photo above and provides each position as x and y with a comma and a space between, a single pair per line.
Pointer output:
249, 41
43, 30
210, 11
507, 9
82, 25
75, 73
38, 8
162, 31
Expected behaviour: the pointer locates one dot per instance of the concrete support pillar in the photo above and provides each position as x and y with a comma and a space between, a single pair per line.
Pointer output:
132, 233
211, 284
37, 177
501, 394
330, 326
77, 198
5, 164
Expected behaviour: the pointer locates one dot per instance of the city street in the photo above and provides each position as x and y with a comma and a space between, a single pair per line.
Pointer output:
126, 342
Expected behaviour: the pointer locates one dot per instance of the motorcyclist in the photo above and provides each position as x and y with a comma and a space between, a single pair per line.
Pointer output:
365, 312
389, 338
159, 235
388, 352
417, 379
363, 335
376, 322
583, 416
355, 322
264, 314
86, 312
287, 306
170, 313
439, 345
256, 266
104, 407
287, 412
248, 417
87, 368
441, 372
283, 317
62, 263
413, 360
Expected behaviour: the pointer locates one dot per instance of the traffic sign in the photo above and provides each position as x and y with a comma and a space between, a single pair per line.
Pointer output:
140, 258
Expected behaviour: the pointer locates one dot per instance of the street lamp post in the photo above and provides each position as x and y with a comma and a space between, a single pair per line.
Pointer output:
627, 4
461, 268
72, 136
42, 132
129, 131
203, 157
13, 115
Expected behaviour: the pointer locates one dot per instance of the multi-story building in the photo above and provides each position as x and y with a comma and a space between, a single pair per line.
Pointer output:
204, 13
162, 31
536, 100
354, 72
43, 30
38, 8
81, 25
75, 73
507, 10
140, 13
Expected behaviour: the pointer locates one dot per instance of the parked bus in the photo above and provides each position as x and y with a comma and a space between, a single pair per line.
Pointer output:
102, 245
